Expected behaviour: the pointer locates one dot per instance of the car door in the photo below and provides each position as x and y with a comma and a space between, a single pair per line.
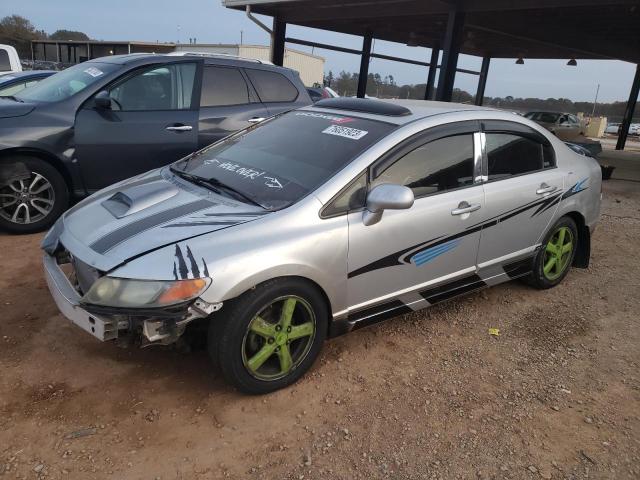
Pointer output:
275, 90
153, 120
424, 254
522, 191
227, 104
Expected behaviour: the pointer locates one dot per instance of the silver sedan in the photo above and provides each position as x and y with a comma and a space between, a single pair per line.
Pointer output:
321, 221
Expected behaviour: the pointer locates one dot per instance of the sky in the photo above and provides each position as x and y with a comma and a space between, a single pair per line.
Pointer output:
209, 22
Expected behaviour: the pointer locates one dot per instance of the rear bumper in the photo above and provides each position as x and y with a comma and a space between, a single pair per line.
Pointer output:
68, 302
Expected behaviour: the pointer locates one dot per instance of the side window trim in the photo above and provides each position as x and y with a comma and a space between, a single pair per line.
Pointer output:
253, 94
419, 139
513, 128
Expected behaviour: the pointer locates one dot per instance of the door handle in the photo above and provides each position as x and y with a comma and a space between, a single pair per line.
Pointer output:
255, 120
179, 128
544, 188
465, 207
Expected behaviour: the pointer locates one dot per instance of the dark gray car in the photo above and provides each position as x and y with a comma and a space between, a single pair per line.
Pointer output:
108, 119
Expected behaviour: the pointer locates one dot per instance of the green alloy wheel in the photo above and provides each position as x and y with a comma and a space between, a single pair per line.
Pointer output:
279, 338
270, 336
558, 253
553, 261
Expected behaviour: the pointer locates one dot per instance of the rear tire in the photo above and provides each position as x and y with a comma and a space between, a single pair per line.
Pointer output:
555, 257
270, 336
34, 204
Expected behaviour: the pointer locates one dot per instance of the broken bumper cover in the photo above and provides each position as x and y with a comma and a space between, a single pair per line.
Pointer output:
155, 326
68, 301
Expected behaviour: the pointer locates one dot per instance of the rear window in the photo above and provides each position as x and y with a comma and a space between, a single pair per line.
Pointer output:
272, 86
281, 161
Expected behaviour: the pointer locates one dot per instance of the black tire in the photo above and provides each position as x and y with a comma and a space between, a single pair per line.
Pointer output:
537, 278
229, 328
60, 198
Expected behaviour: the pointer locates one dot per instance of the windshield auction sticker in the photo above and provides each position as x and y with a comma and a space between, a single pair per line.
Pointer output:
324, 116
93, 71
346, 132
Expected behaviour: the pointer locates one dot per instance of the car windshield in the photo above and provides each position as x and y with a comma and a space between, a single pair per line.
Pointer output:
281, 161
68, 82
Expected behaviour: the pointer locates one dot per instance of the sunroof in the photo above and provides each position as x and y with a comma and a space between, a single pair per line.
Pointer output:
365, 105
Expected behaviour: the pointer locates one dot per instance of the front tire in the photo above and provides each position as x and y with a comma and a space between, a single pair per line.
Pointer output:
555, 257
33, 204
270, 336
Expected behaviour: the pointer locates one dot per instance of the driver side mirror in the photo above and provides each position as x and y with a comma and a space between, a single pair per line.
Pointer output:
386, 197
102, 100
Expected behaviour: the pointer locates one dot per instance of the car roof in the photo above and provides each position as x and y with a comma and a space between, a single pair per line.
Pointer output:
407, 111
217, 59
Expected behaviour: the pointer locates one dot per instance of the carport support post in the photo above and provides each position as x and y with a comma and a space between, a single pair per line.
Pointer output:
450, 52
277, 42
628, 112
482, 81
365, 58
433, 67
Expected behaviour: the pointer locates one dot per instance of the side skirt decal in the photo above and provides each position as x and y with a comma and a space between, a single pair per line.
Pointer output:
396, 307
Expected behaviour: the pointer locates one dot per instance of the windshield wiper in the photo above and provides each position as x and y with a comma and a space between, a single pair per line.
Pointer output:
215, 185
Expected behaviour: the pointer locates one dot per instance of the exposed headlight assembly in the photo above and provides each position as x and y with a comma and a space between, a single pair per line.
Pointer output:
124, 292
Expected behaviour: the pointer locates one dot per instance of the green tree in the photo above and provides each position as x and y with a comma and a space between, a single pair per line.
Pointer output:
18, 32
69, 35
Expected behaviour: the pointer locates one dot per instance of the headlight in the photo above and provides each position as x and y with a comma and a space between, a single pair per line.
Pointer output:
124, 292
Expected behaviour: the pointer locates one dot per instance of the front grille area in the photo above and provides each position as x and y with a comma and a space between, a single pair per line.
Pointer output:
86, 275
81, 275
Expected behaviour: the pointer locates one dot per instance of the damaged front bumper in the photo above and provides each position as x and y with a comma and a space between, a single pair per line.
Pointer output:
160, 326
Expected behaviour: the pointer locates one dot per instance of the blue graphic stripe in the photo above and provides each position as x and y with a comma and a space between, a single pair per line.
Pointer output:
429, 254
578, 187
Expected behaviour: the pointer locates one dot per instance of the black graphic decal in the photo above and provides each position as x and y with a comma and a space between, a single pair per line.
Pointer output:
198, 224
110, 240
205, 271
195, 271
182, 265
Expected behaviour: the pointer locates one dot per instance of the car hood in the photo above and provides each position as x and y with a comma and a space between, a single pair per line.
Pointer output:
11, 108
143, 214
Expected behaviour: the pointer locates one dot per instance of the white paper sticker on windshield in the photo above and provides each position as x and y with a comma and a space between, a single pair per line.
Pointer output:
346, 132
93, 71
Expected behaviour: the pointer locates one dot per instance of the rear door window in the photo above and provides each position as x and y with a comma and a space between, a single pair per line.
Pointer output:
509, 155
272, 86
223, 86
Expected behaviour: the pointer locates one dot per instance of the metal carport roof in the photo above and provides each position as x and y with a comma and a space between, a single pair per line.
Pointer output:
548, 29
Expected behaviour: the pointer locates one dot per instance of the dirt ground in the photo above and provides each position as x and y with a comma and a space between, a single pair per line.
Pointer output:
427, 395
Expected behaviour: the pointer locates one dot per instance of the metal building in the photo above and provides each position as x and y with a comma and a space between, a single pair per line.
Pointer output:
310, 67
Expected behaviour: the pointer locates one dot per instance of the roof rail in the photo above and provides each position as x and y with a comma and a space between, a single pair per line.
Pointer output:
216, 55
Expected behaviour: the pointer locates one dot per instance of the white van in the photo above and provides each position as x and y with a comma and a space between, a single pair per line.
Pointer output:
9, 60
